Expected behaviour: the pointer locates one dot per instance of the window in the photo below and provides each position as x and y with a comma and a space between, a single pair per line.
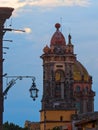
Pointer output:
61, 118
78, 106
86, 89
58, 76
78, 89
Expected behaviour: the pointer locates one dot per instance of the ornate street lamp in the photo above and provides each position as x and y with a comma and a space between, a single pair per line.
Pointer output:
33, 90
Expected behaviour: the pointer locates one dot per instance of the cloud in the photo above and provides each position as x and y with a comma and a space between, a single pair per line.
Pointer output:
43, 3
14, 3
55, 3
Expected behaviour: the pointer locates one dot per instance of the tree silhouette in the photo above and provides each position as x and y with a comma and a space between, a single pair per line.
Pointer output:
56, 128
12, 126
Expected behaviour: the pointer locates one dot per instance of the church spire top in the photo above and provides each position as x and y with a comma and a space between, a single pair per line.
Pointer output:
57, 26
58, 38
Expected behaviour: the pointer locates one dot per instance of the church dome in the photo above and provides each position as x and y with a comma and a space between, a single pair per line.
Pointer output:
57, 38
80, 72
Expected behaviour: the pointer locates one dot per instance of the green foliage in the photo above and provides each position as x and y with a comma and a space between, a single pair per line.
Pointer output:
56, 128
11, 126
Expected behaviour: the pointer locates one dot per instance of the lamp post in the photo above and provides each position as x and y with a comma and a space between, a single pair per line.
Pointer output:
5, 13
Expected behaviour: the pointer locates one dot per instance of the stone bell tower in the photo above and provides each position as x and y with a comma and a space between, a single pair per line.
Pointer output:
57, 73
67, 86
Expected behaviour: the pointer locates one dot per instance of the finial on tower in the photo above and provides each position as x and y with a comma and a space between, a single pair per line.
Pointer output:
69, 39
57, 25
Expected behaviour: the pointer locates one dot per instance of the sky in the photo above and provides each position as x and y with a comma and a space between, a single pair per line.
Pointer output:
37, 18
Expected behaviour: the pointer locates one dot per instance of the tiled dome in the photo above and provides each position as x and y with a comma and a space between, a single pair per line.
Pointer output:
57, 38
80, 72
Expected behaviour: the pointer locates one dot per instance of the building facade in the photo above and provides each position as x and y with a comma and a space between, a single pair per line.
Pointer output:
86, 121
67, 85
32, 125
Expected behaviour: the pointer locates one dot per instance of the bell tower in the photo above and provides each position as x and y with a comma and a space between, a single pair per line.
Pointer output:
58, 96
67, 86
57, 73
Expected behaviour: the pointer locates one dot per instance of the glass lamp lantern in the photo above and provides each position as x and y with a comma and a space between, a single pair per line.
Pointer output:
33, 90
